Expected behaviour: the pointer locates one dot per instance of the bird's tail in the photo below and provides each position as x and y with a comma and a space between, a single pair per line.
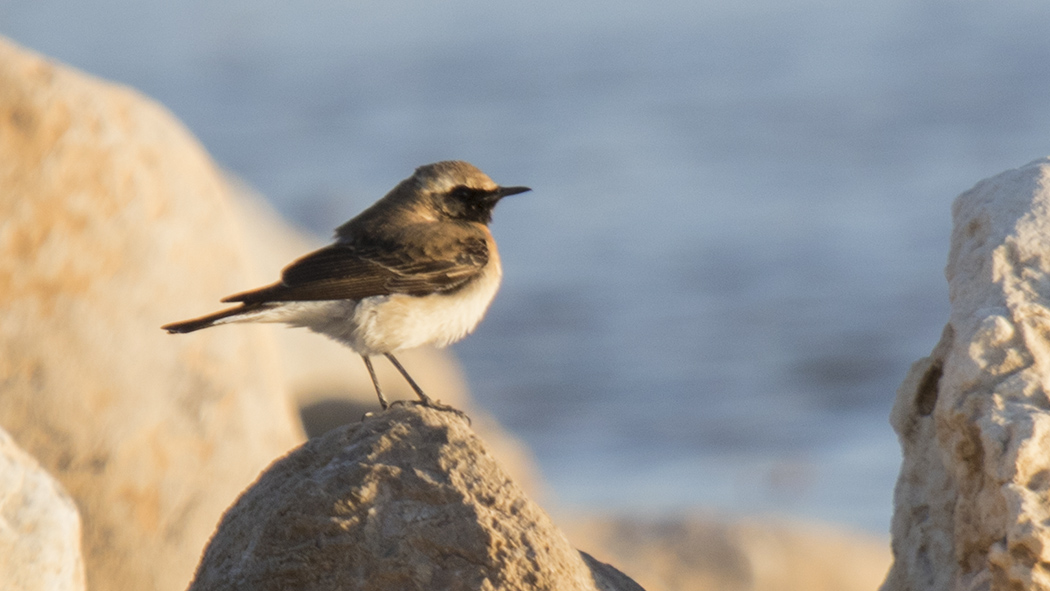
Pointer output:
221, 317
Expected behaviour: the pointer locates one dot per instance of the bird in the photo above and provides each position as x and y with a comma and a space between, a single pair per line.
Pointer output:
418, 267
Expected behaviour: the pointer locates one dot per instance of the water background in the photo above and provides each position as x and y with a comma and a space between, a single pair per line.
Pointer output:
740, 217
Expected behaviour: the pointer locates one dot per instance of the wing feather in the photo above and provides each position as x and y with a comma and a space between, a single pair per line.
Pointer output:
355, 271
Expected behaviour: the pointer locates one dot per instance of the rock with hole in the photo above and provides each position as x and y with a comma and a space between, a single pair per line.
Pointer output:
972, 504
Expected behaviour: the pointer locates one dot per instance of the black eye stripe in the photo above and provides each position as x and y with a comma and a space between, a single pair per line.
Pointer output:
466, 193
469, 203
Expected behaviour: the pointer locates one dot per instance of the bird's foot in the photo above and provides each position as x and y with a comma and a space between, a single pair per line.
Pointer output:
431, 403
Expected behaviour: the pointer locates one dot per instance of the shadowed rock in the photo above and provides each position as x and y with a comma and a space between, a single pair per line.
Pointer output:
408, 499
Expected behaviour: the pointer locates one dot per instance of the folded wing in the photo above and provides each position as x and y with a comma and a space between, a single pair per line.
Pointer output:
356, 271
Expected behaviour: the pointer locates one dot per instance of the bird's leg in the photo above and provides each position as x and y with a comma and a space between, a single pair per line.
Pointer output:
375, 381
419, 391
424, 399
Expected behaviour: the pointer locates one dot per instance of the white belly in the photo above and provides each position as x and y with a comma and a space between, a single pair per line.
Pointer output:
385, 324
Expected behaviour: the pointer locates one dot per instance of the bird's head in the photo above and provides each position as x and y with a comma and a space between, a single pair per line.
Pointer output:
458, 190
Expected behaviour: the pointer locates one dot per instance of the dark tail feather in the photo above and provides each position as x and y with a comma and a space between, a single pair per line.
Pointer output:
205, 321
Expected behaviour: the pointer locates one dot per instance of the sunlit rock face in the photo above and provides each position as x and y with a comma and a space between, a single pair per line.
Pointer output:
113, 221
39, 527
972, 506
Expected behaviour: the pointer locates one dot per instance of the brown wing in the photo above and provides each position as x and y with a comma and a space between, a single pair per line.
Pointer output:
354, 271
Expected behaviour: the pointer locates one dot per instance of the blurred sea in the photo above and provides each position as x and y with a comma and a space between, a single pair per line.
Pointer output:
740, 216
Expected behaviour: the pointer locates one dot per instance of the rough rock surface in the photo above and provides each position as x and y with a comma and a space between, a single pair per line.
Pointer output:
972, 505
697, 553
408, 499
114, 221
39, 527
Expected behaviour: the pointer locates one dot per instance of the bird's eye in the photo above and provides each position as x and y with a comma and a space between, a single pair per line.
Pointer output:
461, 192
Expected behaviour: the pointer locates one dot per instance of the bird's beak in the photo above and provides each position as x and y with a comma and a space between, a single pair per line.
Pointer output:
504, 191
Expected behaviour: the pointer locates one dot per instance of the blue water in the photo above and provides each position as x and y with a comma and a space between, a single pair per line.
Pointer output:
740, 216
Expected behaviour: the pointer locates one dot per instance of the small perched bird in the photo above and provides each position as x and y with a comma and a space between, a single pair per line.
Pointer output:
418, 267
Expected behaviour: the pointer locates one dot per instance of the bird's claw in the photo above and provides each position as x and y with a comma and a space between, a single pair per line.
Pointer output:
431, 403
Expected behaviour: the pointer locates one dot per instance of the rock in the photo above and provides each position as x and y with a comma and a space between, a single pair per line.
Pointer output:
408, 499
39, 527
694, 553
607, 577
972, 504
115, 221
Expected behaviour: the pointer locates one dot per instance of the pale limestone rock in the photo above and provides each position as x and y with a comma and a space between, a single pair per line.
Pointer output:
408, 499
39, 527
972, 505
698, 553
114, 221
